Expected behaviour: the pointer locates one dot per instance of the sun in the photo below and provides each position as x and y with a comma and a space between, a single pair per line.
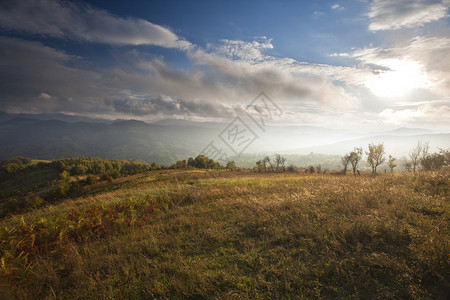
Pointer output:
402, 77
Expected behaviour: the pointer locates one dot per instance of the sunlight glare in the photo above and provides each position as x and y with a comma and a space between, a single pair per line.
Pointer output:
403, 77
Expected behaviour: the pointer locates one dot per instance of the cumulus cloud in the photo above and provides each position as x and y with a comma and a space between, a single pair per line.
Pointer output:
389, 15
83, 22
240, 50
250, 77
37, 78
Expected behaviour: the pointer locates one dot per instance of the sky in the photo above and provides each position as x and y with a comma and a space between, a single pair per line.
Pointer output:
371, 65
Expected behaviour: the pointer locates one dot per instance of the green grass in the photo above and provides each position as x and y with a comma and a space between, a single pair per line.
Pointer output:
29, 182
184, 234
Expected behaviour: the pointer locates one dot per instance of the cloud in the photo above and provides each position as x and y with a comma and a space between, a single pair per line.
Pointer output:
337, 7
250, 77
426, 115
83, 22
37, 78
421, 62
391, 15
240, 50
165, 105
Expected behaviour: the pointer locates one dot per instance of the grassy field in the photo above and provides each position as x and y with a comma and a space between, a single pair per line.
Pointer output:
207, 235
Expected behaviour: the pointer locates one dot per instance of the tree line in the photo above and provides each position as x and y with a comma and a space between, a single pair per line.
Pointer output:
420, 158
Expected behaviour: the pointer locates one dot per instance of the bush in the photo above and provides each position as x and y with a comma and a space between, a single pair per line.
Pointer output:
91, 179
34, 201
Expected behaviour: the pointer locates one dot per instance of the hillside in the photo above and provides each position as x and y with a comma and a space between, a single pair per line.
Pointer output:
204, 235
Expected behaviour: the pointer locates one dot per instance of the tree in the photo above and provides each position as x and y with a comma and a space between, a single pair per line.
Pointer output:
231, 165
279, 161
392, 163
266, 160
64, 175
181, 164
446, 155
191, 162
345, 161
433, 162
355, 157
283, 163
408, 166
292, 168
201, 162
260, 166
425, 149
375, 156
417, 154
319, 168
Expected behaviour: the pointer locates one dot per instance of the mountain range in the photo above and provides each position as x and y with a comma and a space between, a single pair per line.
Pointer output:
52, 136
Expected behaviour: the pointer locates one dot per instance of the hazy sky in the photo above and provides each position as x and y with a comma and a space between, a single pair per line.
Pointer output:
370, 64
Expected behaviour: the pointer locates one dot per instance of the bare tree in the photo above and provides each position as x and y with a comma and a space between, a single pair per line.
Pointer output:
425, 149
345, 161
355, 157
392, 163
408, 166
424, 154
259, 165
375, 156
279, 161
283, 163
267, 161
417, 154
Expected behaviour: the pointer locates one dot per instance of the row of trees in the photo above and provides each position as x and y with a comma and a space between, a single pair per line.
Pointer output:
421, 159
203, 162
278, 164
92, 165
200, 162
375, 157
18, 166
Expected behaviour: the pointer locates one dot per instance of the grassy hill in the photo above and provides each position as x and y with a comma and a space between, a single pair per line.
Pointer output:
205, 235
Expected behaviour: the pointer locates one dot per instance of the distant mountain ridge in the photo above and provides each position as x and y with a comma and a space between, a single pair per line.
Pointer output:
394, 144
62, 117
52, 136
409, 131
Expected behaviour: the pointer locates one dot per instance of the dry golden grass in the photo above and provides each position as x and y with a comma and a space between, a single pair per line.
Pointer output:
184, 234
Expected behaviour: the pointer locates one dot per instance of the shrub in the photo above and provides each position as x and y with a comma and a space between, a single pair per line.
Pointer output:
91, 179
